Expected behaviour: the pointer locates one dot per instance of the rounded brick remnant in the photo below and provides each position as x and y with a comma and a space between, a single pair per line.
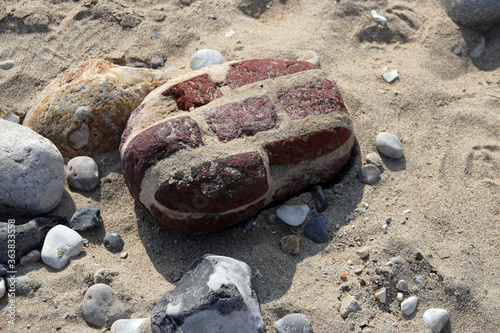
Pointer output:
211, 148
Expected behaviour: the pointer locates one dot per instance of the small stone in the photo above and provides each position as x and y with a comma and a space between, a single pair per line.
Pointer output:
157, 61
379, 19
358, 271
271, 218
28, 237
123, 255
436, 319
388, 220
337, 189
113, 242
389, 145
142, 325
9, 116
104, 276
363, 252
61, 243
349, 304
206, 57
381, 295
390, 75
316, 229
399, 297
319, 198
290, 244
157, 15
101, 307
7, 64
293, 215
397, 261
374, 158
368, 174
158, 35
82, 173
409, 305
293, 323
419, 280
85, 218
32, 256
385, 227
456, 51
343, 276
402, 285
3, 269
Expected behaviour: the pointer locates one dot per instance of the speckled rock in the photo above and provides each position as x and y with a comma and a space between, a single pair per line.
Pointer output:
101, 307
32, 177
482, 13
84, 111
82, 173
204, 58
293, 323
61, 243
257, 131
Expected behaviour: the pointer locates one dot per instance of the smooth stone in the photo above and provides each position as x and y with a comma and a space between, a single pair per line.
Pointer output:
389, 145
397, 261
436, 319
363, 252
477, 13
349, 304
85, 218
316, 229
419, 280
319, 198
3, 269
338, 189
3, 289
113, 242
82, 173
381, 295
28, 237
271, 218
290, 244
105, 276
32, 180
368, 174
374, 158
204, 58
399, 297
402, 285
142, 325
293, 323
409, 305
390, 75
101, 307
293, 215
214, 295
61, 243
32, 256
7, 64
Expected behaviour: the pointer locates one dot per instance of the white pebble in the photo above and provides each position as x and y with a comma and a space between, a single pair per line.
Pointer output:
61, 243
409, 305
204, 58
397, 260
436, 319
390, 75
381, 295
389, 145
3, 289
131, 325
379, 19
229, 34
385, 227
293, 215
374, 158
399, 297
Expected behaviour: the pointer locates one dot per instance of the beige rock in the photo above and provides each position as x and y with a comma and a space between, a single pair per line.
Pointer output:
291, 244
84, 111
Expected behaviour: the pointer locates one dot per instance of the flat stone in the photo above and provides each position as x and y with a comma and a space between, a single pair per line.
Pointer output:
28, 237
316, 229
142, 325
32, 180
402, 285
293, 215
216, 294
113, 242
290, 244
204, 58
32, 256
374, 158
61, 243
82, 173
369, 174
409, 305
349, 304
478, 13
85, 218
7, 64
436, 319
101, 307
389, 145
293, 323
319, 198
390, 75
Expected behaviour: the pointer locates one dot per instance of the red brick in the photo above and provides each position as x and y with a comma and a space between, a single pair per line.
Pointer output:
155, 144
294, 150
311, 99
250, 71
216, 187
196, 92
247, 117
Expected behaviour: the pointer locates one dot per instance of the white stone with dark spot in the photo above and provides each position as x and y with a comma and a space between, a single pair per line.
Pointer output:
205, 58
101, 307
436, 319
61, 243
389, 145
82, 173
409, 305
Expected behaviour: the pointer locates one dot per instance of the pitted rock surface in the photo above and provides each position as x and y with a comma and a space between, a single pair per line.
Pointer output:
84, 111
211, 148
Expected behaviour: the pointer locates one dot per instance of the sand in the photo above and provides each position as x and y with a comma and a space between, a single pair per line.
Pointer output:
446, 188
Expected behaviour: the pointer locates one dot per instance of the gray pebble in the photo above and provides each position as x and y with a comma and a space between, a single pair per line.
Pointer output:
349, 304
7, 64
374, 158
113, 242
85, 218
436, 319
385, 227
204, 58
32, 256
3, 288
271, 218
368, 174
319, 198
409, 305
293, 323
82, 173
337, 189
316, 229
419, 280
402, 285
397, 260
101, 307
456, 51
389, 145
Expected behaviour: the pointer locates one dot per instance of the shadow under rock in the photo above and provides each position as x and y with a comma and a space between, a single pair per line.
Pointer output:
172, 252
489, 59
394, 164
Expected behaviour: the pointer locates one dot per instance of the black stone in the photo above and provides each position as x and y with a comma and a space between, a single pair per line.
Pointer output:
3, 269
316, 230
113, 242
85, 218
28, 237
319, 198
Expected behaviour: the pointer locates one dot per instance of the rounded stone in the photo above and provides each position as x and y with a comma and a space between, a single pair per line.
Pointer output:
389, 145
101, 307
477, 13
290, 244
316, 229
293, 323
32, 177
319, 198
113, 242
409, 305
368, 174
61, 243
293, 215
374, 158
142, 325
436, 319
32, 256
206, 57
7, 64
82, 173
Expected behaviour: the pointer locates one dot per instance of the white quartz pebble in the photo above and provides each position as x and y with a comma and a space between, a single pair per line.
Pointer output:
293, 215
436, 319
409, 305
389, 145
61, 243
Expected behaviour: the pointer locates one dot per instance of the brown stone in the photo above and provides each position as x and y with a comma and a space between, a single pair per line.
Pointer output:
290, 244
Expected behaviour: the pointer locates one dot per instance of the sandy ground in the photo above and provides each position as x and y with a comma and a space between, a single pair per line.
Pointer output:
444, 107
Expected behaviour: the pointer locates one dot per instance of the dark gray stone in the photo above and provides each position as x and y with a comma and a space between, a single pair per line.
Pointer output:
28, 237
319, 198
215, 295
271, 219
101, 307
3, 269
316, 230
477, 13
368, 174
113, 242
85, 218
293, 323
